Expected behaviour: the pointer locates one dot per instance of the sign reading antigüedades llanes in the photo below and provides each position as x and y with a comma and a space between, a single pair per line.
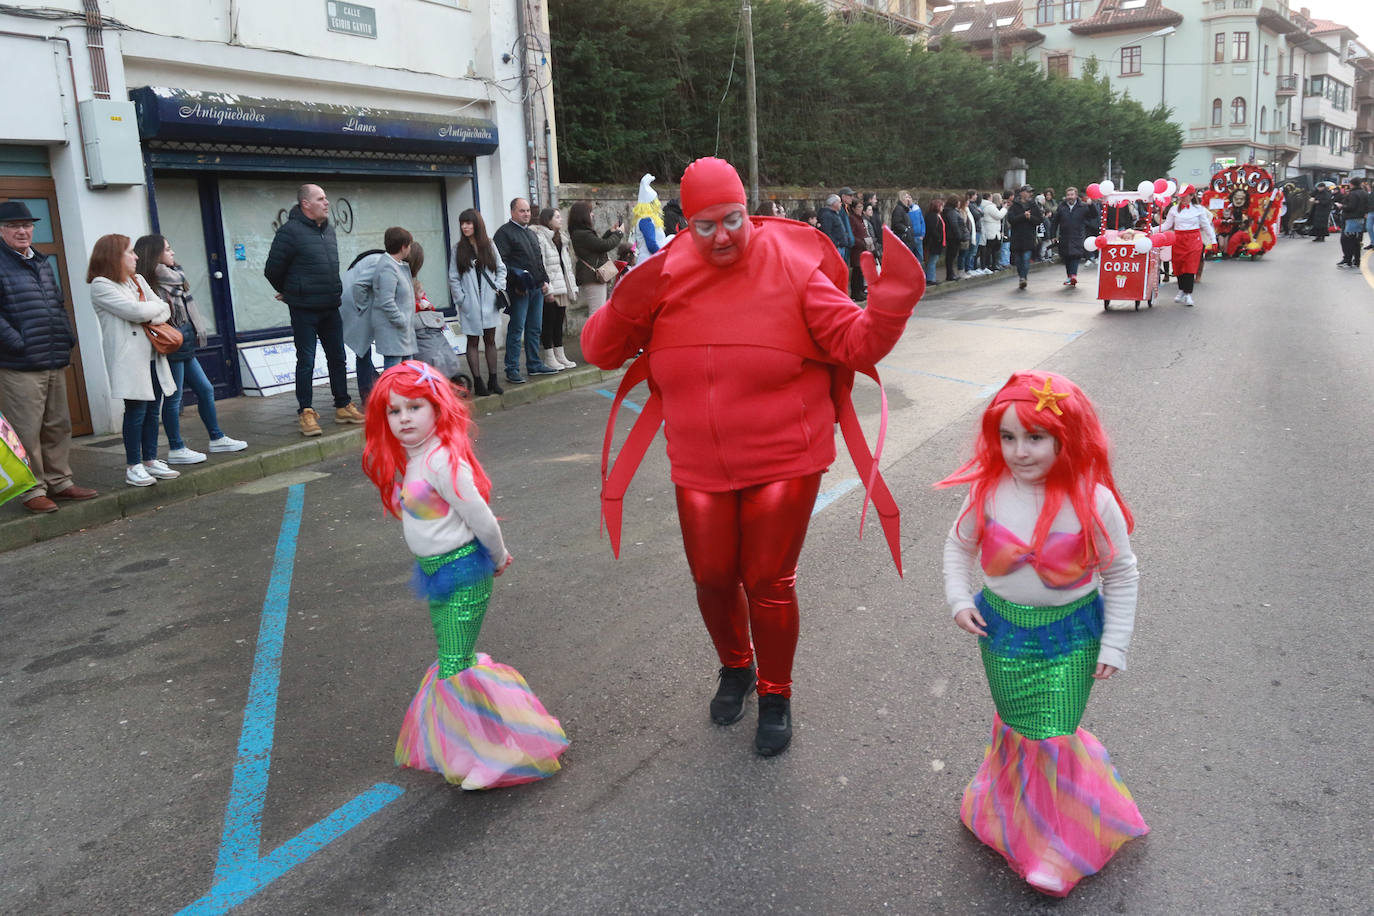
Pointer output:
184, 114
351, 19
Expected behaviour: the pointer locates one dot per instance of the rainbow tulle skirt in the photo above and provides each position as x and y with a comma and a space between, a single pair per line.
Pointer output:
1046, 796
481, 728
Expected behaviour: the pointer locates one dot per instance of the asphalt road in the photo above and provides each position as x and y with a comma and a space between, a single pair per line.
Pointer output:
1242, 430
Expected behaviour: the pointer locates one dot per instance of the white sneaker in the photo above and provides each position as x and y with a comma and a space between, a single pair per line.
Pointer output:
137, 476
1188, 299
158, 468
1044, 880
226, 444
1178, 298
185, 455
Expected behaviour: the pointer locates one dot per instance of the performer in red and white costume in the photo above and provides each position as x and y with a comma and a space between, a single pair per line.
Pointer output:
1192, 227
750, 346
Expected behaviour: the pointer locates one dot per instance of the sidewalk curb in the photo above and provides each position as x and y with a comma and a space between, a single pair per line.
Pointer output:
198, 481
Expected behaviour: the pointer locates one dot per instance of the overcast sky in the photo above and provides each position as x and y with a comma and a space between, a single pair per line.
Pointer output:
1358, 14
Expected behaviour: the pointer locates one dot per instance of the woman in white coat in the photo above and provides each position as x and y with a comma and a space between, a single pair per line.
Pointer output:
139, 375
991, 216
475, 275
558, 264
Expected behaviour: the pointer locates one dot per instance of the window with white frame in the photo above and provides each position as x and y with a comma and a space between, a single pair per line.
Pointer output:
1238, 110
1073, 9
1216, 112
1044, 12
1241, 46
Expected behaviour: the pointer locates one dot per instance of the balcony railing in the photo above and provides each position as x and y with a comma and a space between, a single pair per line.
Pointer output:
1288, 84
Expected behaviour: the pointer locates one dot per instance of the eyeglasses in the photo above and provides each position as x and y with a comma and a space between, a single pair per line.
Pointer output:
707, 227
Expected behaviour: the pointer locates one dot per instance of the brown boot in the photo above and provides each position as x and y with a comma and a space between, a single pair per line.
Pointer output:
348, 413
310, 423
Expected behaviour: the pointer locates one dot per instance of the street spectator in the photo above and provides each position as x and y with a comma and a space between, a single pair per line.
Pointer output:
475, 277
1024, 217
36, 343
380, 308
972, 256
863, 241
157, 265
990, 217
1319, 216
968, 244
874, 221
303, 267
956, 236
592, 251
526, 285
558, 265
936, 231
812, 219
1072, 222
900, 221
138, 374
673, 221
835, 224
431, 345
1355, 208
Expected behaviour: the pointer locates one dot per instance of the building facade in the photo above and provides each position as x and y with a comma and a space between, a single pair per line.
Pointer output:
1249, 81
199, 121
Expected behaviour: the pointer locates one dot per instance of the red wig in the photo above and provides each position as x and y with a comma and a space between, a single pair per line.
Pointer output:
384, 458
1060, 408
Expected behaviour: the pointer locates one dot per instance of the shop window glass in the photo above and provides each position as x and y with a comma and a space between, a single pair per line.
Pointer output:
178, 216
361, 211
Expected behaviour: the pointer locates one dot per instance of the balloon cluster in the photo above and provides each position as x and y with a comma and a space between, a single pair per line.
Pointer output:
1158, 191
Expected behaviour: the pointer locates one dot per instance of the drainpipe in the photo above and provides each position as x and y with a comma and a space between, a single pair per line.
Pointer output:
527, 106
95, 47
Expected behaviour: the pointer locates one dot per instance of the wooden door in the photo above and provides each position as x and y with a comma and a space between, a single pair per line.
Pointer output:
41, 197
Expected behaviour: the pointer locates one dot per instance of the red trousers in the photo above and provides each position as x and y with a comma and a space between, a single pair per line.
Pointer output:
742, 547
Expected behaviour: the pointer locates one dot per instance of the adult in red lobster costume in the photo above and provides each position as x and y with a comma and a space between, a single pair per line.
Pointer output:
750, 347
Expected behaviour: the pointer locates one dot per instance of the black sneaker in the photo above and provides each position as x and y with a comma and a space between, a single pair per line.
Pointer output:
727, 706
775, 725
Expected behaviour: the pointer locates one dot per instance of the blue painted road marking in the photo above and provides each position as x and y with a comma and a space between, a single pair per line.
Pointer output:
627, 402
834, 493
242, 870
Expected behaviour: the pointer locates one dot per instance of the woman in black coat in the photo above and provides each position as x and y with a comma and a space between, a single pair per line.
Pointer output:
1023, 216
956, 233
1319, 217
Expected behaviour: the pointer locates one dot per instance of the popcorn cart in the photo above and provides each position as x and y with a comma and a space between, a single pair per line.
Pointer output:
1124, 272
1129, 266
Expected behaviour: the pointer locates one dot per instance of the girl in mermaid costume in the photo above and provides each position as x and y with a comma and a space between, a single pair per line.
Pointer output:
1049, 528
473, 720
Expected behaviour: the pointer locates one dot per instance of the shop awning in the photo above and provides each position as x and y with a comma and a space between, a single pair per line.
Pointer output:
185, 114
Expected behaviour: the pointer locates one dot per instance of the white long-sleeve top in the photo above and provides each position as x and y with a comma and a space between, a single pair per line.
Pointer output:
436, 517
1016, 506
1182, 219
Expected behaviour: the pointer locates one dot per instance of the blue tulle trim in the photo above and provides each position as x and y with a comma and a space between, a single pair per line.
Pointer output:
470, 564
1075, 630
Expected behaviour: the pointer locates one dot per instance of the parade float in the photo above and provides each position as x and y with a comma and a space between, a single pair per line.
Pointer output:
1245, 204
1128, 268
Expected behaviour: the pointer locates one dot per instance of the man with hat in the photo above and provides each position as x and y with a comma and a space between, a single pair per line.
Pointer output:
750, 348
36, 343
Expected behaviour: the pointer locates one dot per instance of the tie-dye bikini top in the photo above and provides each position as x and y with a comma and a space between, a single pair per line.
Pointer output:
421, 501
1059, 563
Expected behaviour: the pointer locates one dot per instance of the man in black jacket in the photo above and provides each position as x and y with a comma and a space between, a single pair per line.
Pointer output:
526, 284
303, 267
36, 343
1023, 216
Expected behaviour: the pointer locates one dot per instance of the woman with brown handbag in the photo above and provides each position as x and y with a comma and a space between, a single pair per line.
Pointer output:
138, 374
592, 255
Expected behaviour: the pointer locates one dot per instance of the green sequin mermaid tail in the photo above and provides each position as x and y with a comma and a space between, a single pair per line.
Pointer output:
473, 720
1046, 796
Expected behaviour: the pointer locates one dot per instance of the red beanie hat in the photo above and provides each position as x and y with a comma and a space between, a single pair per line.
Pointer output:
709, 181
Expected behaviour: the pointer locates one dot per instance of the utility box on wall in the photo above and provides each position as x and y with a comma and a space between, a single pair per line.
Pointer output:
109, 129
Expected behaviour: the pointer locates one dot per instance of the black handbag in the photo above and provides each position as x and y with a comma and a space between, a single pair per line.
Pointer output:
502, 300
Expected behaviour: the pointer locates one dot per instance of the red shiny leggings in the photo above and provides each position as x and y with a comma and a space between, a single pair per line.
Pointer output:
742, 547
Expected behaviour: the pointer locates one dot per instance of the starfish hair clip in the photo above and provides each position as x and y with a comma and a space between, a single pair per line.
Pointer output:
1048, 397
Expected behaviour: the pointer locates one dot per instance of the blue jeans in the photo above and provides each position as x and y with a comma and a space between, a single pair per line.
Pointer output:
968, 259
189, 372
327, 325
1023, 261
367, 373
1354, 226
140, 425
1369, 224
1071, 266
918, 250
1004, 256
527, 327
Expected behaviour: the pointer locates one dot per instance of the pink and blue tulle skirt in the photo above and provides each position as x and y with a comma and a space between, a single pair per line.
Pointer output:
482, 728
